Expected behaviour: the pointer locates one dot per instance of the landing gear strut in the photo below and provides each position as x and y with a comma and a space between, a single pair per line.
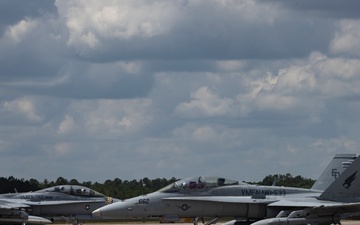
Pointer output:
213, 221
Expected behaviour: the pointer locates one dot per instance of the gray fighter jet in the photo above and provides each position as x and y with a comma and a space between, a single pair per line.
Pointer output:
216, 197
70, 202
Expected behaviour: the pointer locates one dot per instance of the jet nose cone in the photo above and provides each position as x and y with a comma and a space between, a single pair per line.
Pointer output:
97, 213
115, 210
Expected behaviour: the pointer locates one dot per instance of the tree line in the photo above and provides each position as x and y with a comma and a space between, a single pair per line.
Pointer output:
116, 188
124, 189
287, 180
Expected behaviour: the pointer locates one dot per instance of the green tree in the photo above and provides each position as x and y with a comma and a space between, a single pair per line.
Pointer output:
61, 181
74, 182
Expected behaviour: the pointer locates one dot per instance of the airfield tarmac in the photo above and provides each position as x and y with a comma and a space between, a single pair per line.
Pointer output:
343, 222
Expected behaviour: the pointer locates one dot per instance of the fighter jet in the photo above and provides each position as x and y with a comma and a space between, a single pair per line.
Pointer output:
70, 202
216, 197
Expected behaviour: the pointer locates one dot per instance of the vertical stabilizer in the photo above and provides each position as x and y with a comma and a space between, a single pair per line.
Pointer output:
336, 167
347, 186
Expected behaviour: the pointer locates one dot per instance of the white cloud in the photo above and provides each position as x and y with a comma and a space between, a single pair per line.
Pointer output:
113, 118
152, 147
205, 103
231, 65
275, 102
284, 91
61, 149
156, 28
25, 107
335, 145
67, 125
18, 32
347, 38
338, 68
204, 134
89, 22
336, 76
295, 79
280, 92
217, 136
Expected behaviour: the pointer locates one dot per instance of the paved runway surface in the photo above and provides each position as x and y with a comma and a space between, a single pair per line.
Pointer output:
343, 222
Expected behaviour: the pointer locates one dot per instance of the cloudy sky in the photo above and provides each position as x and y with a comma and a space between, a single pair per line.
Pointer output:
96, 90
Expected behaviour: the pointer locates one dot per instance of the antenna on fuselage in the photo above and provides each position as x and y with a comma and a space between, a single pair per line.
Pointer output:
275, 180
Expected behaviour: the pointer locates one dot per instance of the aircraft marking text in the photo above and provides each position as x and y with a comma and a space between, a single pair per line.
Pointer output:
335, 173
144, 201
251, 192
36, 197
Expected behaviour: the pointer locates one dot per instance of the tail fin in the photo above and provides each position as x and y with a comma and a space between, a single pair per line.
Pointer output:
336, 167
346, 187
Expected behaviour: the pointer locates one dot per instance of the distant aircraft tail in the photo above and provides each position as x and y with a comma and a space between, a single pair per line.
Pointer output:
336, 167
346, 187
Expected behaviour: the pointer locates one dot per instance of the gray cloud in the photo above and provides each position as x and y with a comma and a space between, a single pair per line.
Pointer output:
322, 8
12, 11
184, 31
240, 89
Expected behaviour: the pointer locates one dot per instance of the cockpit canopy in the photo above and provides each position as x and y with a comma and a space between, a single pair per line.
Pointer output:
75, 190
197, 183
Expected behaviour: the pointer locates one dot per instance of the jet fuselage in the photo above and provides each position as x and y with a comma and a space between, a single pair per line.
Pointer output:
179, 202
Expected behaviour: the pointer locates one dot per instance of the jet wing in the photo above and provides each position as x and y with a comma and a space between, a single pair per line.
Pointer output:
314, 204
223, 199
316, 207
337, 208
28, 220
11, 212
303, 203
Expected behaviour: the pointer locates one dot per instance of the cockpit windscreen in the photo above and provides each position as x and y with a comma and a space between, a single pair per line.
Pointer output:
75, 190
196, 183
